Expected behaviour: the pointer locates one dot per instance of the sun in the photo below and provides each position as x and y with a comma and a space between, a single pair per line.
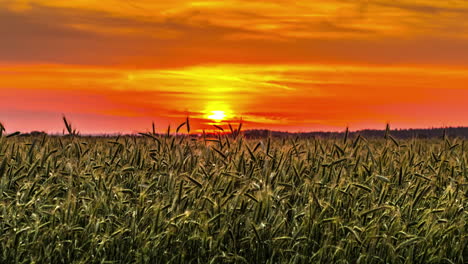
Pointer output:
217, 112
217, 115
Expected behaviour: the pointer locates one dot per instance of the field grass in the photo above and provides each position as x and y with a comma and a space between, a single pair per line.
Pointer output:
167, 199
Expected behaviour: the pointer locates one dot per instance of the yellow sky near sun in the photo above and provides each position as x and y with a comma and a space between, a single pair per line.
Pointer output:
275, 96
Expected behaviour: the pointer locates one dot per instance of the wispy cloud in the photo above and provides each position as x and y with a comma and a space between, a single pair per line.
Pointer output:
182, 33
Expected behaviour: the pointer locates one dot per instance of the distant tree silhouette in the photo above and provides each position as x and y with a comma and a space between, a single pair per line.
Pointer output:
460, 132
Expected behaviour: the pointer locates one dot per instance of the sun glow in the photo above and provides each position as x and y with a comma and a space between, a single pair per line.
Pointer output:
217, 115
217, 112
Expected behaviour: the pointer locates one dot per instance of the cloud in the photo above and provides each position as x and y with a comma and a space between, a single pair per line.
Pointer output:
165, 35
66, 35
427, 7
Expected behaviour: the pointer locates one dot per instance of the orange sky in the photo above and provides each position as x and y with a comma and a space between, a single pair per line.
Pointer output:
117, 65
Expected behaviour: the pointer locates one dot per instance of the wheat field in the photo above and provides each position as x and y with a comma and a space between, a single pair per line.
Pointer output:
179, 199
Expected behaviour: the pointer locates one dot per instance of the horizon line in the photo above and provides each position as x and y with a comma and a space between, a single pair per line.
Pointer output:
218, 131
